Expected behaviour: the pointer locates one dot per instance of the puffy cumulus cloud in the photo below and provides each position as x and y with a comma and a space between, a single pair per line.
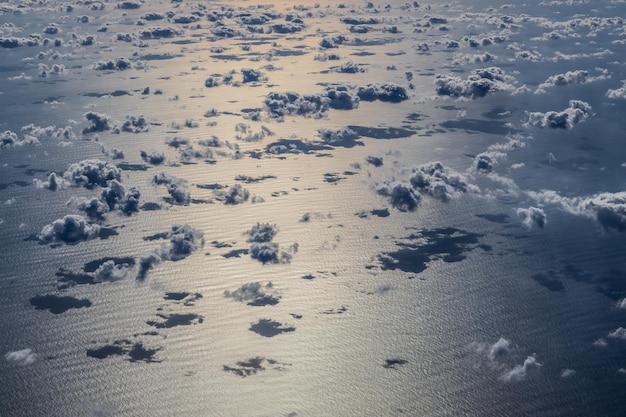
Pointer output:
341, 137
153, 157
432, 179
117, 197
183, 241
22, 357
279, 105
621, 304
499, 349
99, 122
532, 216
72, 228
440, 182
618, 93
53, 183
266, 252
520, 372
388, 92
262, 232
91, 173
577, 111
110, 271
176, 188
233, 195
254, 294
135, 124
464, 59
93, 207
117, 64
569, 78
45, 71
479, 83
568, 373
338, 97
607, 209
32, 131
158, 32
401, 195
261, 246
9, 139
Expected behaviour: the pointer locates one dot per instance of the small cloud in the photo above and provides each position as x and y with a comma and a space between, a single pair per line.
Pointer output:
498, 349
619, 333
532, 216
520, 372
22, 357
568, 373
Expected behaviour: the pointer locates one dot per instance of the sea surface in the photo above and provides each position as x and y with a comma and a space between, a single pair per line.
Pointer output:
237, 208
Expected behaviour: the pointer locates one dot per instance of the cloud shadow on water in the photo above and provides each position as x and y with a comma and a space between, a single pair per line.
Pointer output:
174, 320
58, 304
136, 352
419, 249
270, 328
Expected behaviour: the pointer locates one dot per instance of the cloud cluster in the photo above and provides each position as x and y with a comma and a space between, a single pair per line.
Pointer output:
532, 216
339, 97
233, 195
183, 241
440, 182
91, 173
261, 246
432, 179
495, 356
117, 64
135, 124
577, 111
607, 209
72, 228
112, 197
479, 83
568, 78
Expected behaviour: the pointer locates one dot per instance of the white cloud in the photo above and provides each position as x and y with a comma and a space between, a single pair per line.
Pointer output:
532, 216
520, 372
576, 112
479, 83
70, 229
22, 357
